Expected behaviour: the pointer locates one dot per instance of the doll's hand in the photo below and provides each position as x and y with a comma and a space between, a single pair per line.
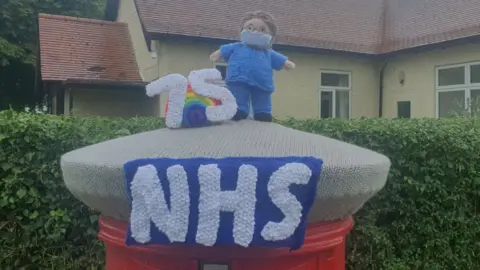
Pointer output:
215, 56
289, 65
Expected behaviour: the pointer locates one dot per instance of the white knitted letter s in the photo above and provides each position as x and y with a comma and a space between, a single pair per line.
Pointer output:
278, 190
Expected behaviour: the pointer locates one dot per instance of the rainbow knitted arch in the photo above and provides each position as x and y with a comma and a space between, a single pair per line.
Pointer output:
194, 102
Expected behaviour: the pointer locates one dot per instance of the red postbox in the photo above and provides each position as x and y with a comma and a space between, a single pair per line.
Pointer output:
350, 176
324, 248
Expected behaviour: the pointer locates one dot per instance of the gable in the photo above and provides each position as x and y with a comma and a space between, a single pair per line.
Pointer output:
76, 48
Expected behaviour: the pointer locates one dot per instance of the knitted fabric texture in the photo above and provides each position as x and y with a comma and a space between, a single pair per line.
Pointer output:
194, 109
191, 200
193, 102
350, 174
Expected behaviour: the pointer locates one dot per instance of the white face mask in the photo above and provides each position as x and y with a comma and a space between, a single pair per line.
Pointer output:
256, 39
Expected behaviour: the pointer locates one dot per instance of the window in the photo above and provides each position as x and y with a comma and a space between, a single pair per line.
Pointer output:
458, 90
335, 94
222, 67
475, 102
335, 79
403, 109
223, 70
475, 73
451, 76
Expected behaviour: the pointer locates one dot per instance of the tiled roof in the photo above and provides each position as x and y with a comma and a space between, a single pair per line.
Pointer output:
329, 24
76, 48
412, 23
365, 26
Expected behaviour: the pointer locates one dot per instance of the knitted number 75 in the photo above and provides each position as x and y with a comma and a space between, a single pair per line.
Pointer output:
194, 102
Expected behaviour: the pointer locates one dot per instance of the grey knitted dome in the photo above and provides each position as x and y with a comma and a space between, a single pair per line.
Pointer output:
350, 176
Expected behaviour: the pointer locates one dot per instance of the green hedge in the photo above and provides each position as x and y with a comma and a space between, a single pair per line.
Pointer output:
427, 217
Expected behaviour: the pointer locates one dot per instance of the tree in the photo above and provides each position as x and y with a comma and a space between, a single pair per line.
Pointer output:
19, 42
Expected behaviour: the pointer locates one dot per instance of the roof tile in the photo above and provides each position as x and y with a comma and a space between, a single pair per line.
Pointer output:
77, 48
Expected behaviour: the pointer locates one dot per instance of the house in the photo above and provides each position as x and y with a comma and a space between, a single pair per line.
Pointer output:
388, 58
88, 67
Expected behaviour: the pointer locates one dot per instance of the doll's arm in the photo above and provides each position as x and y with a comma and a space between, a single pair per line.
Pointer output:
289, 65
224, 52
280, 61
216, 56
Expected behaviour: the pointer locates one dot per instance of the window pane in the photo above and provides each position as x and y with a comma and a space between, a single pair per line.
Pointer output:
475, 74
451, 103
223, 70
451, 76
403, 109
342, 104
475, 102
326, 104
334, 80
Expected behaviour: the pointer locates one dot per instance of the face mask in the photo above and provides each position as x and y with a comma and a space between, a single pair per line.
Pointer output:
256, 39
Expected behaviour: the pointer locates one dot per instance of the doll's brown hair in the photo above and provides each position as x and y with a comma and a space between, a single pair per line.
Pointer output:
264, 16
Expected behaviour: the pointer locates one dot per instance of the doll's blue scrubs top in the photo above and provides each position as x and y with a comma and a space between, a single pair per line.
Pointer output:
251, 66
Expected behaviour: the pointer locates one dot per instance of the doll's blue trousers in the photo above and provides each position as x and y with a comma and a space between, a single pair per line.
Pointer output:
243, 93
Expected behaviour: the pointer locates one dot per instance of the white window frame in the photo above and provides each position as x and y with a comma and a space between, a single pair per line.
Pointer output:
467, 87
333, 90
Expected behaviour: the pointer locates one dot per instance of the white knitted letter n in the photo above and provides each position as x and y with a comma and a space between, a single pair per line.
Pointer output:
149, 204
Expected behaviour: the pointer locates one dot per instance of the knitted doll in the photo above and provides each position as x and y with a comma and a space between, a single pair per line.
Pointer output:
250, 66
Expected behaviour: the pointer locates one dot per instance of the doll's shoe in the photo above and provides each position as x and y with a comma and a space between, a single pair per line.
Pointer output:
263, 117
240, 115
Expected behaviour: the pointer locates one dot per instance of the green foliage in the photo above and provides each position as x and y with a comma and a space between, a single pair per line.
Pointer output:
18, 23
19, 42
425, 218
41, 225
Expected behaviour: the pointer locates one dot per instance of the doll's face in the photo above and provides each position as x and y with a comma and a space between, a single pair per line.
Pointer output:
256, 25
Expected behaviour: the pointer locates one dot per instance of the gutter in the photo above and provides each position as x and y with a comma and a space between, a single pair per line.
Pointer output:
380, 89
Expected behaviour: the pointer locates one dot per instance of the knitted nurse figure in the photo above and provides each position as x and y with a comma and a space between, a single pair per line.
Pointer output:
250, 66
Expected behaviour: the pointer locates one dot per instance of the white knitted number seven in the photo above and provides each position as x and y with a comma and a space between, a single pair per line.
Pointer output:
176, 86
